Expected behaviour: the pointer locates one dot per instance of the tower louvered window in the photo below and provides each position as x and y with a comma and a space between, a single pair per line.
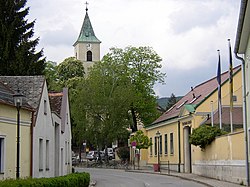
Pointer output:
89, 56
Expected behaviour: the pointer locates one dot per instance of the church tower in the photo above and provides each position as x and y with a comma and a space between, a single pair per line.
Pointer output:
87, 46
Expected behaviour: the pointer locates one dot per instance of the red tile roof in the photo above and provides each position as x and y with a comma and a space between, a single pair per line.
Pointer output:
200, 92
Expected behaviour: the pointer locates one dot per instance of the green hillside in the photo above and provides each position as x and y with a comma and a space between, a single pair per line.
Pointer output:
163, 102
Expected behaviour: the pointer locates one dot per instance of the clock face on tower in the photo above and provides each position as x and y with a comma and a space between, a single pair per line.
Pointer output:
88, 46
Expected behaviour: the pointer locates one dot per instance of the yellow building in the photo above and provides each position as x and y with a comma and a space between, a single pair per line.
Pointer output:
199, 106
8, 134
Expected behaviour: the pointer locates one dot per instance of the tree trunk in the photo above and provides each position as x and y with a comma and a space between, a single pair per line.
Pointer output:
134, 128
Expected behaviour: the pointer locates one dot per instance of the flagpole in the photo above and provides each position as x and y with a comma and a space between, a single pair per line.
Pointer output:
212, 114
230, 71
219, 89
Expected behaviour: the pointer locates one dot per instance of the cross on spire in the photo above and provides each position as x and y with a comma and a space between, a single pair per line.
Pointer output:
86, 6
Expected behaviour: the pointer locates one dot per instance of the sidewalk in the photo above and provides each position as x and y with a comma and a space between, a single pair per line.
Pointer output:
190, 176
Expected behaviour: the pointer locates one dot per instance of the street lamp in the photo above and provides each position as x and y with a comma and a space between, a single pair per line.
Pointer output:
158, 134
18, 103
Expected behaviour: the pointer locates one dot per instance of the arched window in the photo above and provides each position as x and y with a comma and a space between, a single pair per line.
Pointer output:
89, 56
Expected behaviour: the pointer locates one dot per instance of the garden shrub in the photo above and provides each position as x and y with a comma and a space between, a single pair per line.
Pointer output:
123, 153
204, 135
74, 179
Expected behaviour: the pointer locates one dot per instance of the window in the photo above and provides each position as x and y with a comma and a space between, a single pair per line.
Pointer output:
67, 118
47, 154
171, 143
160, 144
151, 148
66, 153
166, 144
45, 107
155, 145
40, 154
1, 155
69, 153
89, 56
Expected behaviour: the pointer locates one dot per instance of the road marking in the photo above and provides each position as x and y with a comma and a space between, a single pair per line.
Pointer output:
146, 184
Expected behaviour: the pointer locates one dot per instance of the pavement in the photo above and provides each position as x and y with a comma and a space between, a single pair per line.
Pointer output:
192, 177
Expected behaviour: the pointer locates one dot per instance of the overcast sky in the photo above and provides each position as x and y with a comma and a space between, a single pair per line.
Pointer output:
185, 33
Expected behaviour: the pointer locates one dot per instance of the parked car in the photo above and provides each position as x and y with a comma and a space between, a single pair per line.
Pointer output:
92, 155
111, 154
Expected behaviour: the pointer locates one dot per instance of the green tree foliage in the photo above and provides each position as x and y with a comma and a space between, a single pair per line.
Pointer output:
172, 100
204, 135
99, 108
51, 75
17, 50
141, 66
142, 141
66, 74
68, 69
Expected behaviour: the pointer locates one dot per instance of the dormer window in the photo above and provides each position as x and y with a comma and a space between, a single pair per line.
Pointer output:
89, 56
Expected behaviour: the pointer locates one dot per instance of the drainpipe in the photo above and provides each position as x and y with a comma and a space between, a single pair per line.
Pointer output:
179, 147
244, 115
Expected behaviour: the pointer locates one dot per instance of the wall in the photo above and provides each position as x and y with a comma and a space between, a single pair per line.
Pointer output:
44, 129
225, 155
8, 130
172, 159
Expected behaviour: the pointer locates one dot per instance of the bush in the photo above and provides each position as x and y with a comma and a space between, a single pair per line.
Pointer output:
123, 153
204, 135
74, 179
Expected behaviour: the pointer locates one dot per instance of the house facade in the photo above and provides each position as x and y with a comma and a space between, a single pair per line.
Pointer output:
8, 135
44, 132
59, 103
198, 107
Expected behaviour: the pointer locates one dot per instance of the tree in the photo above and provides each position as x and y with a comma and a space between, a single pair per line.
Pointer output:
51, 75
142, 141
172, 100
69, 68
17, 50
100, 104
66, 74
142, 67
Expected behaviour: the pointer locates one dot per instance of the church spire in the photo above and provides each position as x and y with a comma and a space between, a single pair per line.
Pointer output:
87, 33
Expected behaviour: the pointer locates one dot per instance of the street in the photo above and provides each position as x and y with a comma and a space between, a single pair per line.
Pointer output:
120, 178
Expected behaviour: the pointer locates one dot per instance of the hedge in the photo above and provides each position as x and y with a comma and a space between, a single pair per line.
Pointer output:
74, 179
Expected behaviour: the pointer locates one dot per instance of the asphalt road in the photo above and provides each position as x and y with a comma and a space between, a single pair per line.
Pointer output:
120, 178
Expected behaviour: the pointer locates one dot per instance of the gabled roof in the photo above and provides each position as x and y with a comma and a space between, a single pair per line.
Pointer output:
30, 86
55, 100
195, 97
87, 33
